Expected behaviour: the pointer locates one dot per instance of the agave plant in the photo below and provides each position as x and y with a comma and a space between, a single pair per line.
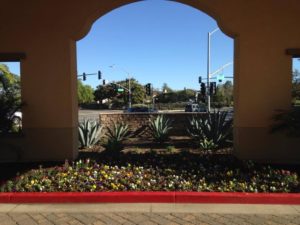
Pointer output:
159, 128
116, 135
211, 130
207, 144
89, 133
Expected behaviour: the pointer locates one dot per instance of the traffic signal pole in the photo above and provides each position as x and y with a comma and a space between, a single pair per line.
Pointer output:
84, 75
208, 72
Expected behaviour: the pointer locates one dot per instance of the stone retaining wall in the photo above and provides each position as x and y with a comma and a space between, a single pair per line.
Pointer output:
138, 122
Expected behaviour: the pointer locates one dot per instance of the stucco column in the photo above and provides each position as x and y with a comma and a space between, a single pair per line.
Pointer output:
49, 87
263, 84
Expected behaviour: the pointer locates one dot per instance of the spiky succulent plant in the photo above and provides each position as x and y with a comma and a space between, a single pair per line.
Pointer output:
116, 135
211, 129
160, 128
89, 133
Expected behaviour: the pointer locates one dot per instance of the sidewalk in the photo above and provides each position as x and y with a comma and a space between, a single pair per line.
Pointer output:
148, 214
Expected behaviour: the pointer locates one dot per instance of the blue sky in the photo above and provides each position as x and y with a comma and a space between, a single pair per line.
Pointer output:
156, 41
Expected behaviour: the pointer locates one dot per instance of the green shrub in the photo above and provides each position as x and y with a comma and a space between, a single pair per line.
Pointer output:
10, 99
116, 135
89, 133
159, 128
287, 121
210, 130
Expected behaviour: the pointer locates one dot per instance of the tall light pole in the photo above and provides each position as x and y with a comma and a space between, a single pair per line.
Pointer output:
208, 66
129, 84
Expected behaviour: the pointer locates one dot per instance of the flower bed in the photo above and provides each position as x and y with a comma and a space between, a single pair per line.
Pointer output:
153, 172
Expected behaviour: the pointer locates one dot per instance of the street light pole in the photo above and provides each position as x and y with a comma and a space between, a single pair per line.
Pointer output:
208, 67
129, 92
129, 83
208, 72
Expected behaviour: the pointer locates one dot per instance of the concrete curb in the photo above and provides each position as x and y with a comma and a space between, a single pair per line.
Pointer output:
151, 197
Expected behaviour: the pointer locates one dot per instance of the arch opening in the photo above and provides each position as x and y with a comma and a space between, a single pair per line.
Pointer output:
138, 43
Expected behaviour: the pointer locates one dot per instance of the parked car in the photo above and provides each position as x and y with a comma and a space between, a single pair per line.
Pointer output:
195, 108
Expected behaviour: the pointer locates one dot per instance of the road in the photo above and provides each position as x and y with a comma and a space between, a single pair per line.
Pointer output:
94, 114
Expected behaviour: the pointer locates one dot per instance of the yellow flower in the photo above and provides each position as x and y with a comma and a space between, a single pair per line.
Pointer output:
113, 186
32, 182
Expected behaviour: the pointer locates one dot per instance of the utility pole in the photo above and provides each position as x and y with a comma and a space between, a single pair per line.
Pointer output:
208, 67
208, 72
129, 92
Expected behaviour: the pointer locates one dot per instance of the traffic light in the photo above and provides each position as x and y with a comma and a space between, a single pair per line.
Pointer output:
84, 76
200, 80
104, 82
203, 89
99, 75
148, 89
213, 88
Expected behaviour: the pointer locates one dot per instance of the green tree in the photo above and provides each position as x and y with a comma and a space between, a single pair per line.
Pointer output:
166, 88
171, 96
10, 98
224, 95
296, 86
104, 92
138, 93
185, 95
228, 92
85, 93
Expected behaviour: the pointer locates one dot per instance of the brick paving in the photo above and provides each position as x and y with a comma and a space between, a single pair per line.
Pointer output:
117, 218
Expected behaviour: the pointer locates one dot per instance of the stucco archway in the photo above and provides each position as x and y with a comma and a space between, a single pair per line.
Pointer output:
46, 33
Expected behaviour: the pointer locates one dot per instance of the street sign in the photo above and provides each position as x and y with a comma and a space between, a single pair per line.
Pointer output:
120, 90
221, 77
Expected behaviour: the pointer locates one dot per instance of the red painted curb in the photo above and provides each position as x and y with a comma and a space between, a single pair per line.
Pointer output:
237, 198
151, 197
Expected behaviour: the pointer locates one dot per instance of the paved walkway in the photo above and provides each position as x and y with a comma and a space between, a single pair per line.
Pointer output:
148, 214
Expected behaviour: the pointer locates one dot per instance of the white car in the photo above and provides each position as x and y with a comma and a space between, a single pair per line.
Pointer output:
17, 118
195, 108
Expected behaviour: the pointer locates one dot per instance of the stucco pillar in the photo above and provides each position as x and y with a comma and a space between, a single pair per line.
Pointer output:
263, 84
49, 91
